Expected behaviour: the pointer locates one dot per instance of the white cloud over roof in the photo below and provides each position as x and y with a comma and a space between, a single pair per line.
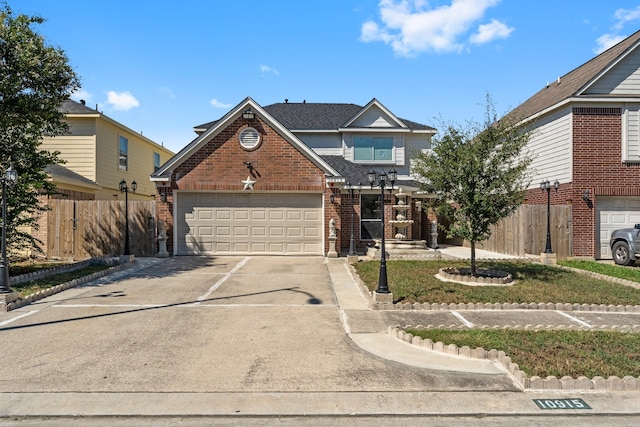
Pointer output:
411, 26
122, 101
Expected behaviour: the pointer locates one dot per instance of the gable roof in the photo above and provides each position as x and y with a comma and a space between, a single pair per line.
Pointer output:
308, 116
164, 172
577, 81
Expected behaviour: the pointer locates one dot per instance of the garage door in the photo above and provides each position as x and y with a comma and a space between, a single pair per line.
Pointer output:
614, 213
249, 223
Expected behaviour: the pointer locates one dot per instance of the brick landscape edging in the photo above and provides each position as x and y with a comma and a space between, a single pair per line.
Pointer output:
67, 285
534, 383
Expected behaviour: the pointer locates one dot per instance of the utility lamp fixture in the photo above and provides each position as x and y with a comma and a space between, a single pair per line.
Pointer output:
586, 195
248, 114
332, 199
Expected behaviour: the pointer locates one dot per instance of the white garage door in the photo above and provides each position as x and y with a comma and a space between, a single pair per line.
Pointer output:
249, 223
614, 213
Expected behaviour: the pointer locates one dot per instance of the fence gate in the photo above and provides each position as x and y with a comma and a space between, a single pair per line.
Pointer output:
81, 229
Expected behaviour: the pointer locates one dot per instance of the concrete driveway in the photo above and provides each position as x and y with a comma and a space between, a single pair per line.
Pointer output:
205, 324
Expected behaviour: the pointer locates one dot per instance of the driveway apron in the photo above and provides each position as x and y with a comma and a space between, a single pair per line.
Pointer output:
204, 324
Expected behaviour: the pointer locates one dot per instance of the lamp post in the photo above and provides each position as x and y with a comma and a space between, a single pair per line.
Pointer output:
10, 176
352, 241
380, 180
545, 185
124, 188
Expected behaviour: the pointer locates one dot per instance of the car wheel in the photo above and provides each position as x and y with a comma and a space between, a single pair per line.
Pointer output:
621, 255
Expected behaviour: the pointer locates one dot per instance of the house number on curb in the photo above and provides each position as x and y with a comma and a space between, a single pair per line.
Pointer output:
561, 404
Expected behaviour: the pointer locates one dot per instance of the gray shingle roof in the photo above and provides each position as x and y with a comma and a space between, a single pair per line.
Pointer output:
571, 83
72, 107
316, 116
357, 174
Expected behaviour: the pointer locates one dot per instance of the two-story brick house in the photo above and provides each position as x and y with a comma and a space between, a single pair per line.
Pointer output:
588, 138
268, 180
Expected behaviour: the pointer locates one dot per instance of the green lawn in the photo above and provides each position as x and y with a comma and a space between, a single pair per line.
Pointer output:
556, 353
415, 281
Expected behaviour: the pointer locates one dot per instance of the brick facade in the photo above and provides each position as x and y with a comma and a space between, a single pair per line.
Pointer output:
597, 167
277, 166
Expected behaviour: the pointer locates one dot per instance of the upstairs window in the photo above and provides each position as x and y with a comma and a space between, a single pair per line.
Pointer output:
123, 156
372, 149
156, 161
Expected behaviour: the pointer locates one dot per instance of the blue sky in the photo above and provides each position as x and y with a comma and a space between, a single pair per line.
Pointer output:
162, 67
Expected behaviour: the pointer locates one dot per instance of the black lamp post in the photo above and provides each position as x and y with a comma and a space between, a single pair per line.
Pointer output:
380, 180
124, 188
546, 185
10, 176
352, 241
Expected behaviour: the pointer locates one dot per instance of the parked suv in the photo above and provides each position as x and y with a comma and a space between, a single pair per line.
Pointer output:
625, 245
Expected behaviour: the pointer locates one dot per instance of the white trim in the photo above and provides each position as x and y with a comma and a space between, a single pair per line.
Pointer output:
384, 109
224, 122
608, 68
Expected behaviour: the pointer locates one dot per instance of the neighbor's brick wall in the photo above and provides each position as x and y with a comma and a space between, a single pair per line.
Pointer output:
598, 167
219, 165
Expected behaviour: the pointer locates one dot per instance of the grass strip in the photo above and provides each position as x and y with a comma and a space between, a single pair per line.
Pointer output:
557, 353
613, 270
415, 281
30, 287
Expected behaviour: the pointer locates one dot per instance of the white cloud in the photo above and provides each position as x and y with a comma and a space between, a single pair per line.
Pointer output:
621, 17
218, 104
265, 69
624, 16
81, 94
167, 91
410, 26
606, 41
490, 32
123, 101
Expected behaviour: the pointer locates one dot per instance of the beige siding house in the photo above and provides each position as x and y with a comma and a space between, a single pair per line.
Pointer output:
105, 152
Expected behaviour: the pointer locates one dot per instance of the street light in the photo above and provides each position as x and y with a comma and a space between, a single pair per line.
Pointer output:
545, 185
380, 180
10, 176
352, 242
124, 188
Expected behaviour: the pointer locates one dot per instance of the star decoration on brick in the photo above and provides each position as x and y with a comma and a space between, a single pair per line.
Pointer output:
248, 183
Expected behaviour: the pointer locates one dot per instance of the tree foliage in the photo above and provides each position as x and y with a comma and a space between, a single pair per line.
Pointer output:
35, 79
478, 173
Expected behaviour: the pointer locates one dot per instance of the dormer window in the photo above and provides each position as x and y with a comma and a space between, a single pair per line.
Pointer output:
372, 149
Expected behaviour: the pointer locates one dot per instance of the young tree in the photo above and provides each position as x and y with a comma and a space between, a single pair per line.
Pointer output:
34, 81
478, 173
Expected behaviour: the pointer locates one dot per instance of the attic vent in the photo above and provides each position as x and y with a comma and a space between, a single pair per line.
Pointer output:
597, 111
249, 138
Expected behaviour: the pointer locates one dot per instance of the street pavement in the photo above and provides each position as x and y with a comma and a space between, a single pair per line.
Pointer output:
254, 337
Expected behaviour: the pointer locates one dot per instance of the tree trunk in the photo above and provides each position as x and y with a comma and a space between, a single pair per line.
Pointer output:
474, 272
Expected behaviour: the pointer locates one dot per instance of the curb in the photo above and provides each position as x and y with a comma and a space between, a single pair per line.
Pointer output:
64, 286
534, 383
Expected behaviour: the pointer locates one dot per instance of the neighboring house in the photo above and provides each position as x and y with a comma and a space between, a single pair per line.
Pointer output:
268, 180
71, 185
588, 138
105, 152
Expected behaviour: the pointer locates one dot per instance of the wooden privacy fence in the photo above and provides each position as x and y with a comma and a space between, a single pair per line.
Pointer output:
81, 229
525, 232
